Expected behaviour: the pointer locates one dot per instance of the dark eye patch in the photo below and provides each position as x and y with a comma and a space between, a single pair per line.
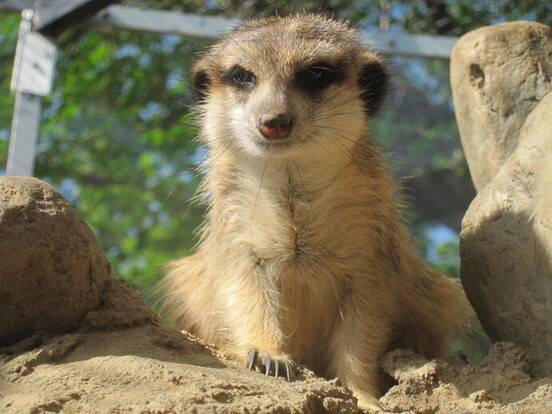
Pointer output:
319, 76
239, 77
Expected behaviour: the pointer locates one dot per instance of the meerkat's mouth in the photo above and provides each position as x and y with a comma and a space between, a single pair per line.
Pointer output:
281, 147
273, 144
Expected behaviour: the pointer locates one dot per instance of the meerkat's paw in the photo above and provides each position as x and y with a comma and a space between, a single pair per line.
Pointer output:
282, 366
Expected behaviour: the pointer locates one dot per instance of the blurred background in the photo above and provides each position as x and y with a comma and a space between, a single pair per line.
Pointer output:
117, 133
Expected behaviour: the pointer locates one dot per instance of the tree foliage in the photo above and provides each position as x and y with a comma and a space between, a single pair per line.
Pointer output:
118, 136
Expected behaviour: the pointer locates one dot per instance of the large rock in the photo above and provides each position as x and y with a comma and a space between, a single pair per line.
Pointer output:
499, 74
506, 245
52, 269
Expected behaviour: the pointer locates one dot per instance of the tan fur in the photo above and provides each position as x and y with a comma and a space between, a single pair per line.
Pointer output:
303, 255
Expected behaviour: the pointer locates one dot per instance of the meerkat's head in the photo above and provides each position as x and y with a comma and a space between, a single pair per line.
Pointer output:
283, 87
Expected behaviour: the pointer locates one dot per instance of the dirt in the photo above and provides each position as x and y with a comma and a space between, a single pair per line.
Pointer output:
122, 360
149, 369
500, 383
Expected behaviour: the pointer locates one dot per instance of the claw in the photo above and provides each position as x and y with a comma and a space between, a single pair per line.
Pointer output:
266, 363
252, 359
288, 371
279, 366
276, 368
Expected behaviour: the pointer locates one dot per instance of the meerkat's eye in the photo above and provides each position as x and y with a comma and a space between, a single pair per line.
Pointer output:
318, 76
239, 77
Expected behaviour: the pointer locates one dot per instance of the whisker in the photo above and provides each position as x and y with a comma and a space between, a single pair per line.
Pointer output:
352, 157
344, 149
309, 202
255, 203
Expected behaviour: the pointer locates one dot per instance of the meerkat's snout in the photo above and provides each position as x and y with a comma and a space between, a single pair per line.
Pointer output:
276, 128
272, 106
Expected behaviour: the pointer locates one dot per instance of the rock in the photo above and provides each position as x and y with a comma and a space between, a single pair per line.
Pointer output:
122, 307
53, 270
498, 74
506, 245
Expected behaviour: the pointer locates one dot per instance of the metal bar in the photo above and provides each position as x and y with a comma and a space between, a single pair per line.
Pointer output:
54, 16
24, 134
208, 27
212, 27
164, 22
411, 45
16, 5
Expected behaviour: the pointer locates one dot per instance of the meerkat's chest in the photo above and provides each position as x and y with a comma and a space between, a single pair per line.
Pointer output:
311, 219
290, 225
277, 225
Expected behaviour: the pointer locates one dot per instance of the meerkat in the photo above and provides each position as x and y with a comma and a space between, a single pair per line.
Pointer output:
303, 258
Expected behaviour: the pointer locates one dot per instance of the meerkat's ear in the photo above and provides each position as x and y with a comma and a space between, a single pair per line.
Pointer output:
373, 82
200, 80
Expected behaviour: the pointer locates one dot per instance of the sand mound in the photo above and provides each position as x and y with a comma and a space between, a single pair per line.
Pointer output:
500, 383
150, 369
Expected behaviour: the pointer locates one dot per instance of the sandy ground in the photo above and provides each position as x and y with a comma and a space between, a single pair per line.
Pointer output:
500, 383
150, 370
122, 360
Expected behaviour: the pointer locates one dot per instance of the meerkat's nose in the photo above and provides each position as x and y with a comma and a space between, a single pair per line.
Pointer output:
276, 128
